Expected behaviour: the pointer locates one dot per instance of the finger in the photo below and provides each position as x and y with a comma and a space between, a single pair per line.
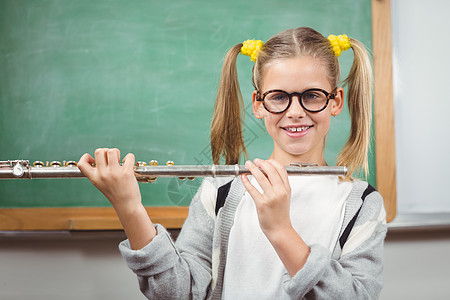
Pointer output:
113, 157
254, 193
271, 173
128, 160
257, 173
281, 172
85, 164
100, 158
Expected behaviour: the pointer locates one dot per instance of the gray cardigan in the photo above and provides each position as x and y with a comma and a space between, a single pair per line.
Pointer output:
193, 267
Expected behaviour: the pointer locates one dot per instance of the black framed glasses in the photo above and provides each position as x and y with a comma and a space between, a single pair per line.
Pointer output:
312, 100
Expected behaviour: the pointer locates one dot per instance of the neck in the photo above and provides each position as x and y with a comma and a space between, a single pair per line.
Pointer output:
287, 159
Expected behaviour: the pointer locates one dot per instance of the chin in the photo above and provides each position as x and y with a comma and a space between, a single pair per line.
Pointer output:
298, 156
297, 150
300, 152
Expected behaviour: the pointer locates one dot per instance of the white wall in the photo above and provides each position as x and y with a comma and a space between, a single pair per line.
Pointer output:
87, 267
421, 74
417, 266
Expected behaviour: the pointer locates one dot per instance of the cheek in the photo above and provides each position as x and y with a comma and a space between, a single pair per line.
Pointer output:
323, 122
271, 122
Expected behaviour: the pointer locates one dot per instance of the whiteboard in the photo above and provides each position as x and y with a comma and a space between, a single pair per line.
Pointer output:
421, 78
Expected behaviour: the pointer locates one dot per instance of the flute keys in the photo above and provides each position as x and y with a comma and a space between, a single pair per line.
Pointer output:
153, 163
55, 164
38, 164
18, 170
141, 178
71, 164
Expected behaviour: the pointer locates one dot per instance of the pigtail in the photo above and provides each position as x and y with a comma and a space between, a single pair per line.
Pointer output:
354, 155
226, 126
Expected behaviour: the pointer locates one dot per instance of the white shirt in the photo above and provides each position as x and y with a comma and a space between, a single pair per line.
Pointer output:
253, 269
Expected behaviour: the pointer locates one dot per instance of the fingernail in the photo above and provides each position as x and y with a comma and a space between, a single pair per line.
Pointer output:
247, 163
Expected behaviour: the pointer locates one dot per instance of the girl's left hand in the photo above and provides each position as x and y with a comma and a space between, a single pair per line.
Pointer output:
273, 205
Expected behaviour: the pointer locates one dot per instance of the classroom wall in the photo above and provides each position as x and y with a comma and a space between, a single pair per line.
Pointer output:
89, 266
62, 266
420, 77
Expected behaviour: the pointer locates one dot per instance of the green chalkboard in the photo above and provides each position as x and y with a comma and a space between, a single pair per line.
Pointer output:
141, 76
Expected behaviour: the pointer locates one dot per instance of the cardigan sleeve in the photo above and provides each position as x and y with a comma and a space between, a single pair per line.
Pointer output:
181, 270
357, 273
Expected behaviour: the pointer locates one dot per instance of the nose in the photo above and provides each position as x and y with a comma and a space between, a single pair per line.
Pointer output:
295, 110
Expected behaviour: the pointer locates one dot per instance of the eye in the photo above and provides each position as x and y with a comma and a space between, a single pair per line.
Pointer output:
314, 96
277, 97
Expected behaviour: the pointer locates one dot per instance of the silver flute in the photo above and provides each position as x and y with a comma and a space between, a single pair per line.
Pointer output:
16, 169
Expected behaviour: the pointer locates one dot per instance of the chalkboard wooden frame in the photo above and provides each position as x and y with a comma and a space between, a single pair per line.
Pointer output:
104, 218
81, 218
384, 105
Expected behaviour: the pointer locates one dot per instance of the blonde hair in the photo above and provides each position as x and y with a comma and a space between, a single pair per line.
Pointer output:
226, 127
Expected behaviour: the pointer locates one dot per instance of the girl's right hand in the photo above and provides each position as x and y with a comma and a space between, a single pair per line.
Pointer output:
117, 182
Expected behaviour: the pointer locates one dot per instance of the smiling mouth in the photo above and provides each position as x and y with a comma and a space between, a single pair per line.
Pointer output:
296, 129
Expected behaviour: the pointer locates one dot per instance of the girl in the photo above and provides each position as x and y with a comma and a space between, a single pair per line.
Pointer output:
267, 236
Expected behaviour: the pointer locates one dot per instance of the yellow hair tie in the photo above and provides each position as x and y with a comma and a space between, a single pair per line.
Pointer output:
251, 48
339, 43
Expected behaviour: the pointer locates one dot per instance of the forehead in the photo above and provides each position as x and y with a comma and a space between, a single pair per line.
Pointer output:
295, 74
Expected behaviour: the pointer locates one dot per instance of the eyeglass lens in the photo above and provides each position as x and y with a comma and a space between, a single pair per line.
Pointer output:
278, 101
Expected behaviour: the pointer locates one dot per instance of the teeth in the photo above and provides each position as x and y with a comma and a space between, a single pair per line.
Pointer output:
297, 129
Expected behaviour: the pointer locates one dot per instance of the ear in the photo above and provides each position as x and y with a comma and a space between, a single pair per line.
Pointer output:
337, 104
258, 107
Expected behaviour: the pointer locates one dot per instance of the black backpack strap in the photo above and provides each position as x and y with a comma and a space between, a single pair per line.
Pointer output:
222, 194
350, 225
